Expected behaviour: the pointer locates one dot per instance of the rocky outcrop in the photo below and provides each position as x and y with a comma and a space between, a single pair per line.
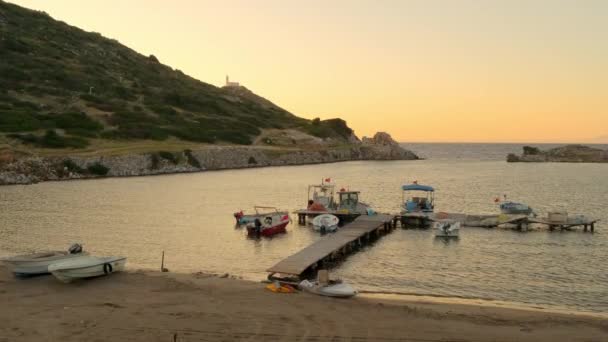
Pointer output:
564, 154
383, 147
37, 169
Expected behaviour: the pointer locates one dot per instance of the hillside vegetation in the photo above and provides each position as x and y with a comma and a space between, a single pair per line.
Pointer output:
62, 87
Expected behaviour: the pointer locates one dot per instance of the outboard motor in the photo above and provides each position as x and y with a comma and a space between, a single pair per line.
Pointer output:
258, 226
323, 230
75, 248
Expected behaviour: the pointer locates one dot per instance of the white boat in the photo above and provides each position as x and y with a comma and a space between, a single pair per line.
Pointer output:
86, 267
38, 263
446, 228
325, 223
333, 289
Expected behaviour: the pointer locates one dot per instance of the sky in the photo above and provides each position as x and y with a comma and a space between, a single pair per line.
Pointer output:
428, 70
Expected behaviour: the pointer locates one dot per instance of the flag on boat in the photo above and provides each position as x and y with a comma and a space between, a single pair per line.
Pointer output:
328, 180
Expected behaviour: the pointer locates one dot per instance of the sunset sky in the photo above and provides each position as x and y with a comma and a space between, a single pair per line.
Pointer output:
474, 71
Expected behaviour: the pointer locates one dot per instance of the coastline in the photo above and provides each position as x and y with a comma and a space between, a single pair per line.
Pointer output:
35, 169
154, 306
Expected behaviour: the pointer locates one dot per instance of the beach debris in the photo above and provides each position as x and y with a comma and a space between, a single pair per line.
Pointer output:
225, 275
278, 288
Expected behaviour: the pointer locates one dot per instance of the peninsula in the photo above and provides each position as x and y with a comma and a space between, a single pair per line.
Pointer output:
74, 104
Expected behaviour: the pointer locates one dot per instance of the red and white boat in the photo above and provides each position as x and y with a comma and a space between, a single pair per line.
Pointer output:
269, 224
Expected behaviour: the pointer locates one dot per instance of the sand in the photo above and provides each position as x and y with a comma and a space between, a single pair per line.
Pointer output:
154, 306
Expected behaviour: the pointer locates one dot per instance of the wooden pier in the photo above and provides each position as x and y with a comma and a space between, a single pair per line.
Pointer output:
333, 247
567, 224
514, 221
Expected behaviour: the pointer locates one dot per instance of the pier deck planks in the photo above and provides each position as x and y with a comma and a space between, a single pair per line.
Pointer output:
297, 263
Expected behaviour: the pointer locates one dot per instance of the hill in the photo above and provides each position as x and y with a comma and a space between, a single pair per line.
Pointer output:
62, 87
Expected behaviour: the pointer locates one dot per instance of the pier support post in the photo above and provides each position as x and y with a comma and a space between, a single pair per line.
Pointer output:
592, 227
585, 228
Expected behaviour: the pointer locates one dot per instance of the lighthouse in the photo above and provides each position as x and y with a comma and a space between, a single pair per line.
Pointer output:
231, 84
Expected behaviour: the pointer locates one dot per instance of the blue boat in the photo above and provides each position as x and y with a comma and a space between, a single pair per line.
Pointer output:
515, 208
418, 198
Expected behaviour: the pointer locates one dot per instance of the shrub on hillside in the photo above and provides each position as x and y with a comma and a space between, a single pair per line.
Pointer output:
168, 156
98, 169
71, 166
51, 140
192, 159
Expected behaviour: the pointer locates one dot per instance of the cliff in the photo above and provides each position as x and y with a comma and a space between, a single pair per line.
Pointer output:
564, 154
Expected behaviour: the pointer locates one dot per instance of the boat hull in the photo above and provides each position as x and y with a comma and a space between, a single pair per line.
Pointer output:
37, 264
268, 231
514, 208
447, 229
325, 222
87, 268
340, 290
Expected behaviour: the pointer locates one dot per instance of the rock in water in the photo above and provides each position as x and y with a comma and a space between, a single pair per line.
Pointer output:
565, 154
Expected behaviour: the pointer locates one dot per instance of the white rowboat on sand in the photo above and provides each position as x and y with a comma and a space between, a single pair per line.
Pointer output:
336, 289
38, 263
86, 267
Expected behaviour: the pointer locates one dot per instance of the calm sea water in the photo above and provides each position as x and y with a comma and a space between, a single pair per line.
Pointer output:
189, 216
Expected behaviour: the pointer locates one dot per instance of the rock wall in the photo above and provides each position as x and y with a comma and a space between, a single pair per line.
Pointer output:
37, 169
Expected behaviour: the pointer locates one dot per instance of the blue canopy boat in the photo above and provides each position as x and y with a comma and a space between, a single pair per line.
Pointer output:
418, 198
515, 208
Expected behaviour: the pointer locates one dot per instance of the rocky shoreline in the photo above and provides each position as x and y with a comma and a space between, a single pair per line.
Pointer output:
563, 154
34, 169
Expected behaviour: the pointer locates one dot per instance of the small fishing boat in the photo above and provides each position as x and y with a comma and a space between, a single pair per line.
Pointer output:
446, 228
515, 208
418, 198
332, 289
260, 212
325, 223
348, 202
322, 194
38, 263
269, 224
86, 267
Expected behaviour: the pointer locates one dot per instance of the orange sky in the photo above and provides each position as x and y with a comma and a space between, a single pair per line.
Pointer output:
504, 71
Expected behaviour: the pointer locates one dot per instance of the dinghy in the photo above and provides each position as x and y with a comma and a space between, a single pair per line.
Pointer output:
325, 223
447, 228
332, 289
86, 267
38, 263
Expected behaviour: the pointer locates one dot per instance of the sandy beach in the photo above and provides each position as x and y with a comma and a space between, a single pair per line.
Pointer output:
153, 306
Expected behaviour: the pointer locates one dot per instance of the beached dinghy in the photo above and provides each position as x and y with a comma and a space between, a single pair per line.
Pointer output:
332, 289
447, 228
38, 263
325, 223
87, 267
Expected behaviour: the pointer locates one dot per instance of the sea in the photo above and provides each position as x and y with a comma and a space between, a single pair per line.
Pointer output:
189, 217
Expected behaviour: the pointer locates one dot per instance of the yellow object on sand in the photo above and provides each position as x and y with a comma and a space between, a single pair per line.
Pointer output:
280, 289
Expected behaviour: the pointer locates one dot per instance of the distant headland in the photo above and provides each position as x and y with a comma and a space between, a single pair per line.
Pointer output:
564, 154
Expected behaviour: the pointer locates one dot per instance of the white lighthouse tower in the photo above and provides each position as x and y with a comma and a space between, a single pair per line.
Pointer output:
231, 84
